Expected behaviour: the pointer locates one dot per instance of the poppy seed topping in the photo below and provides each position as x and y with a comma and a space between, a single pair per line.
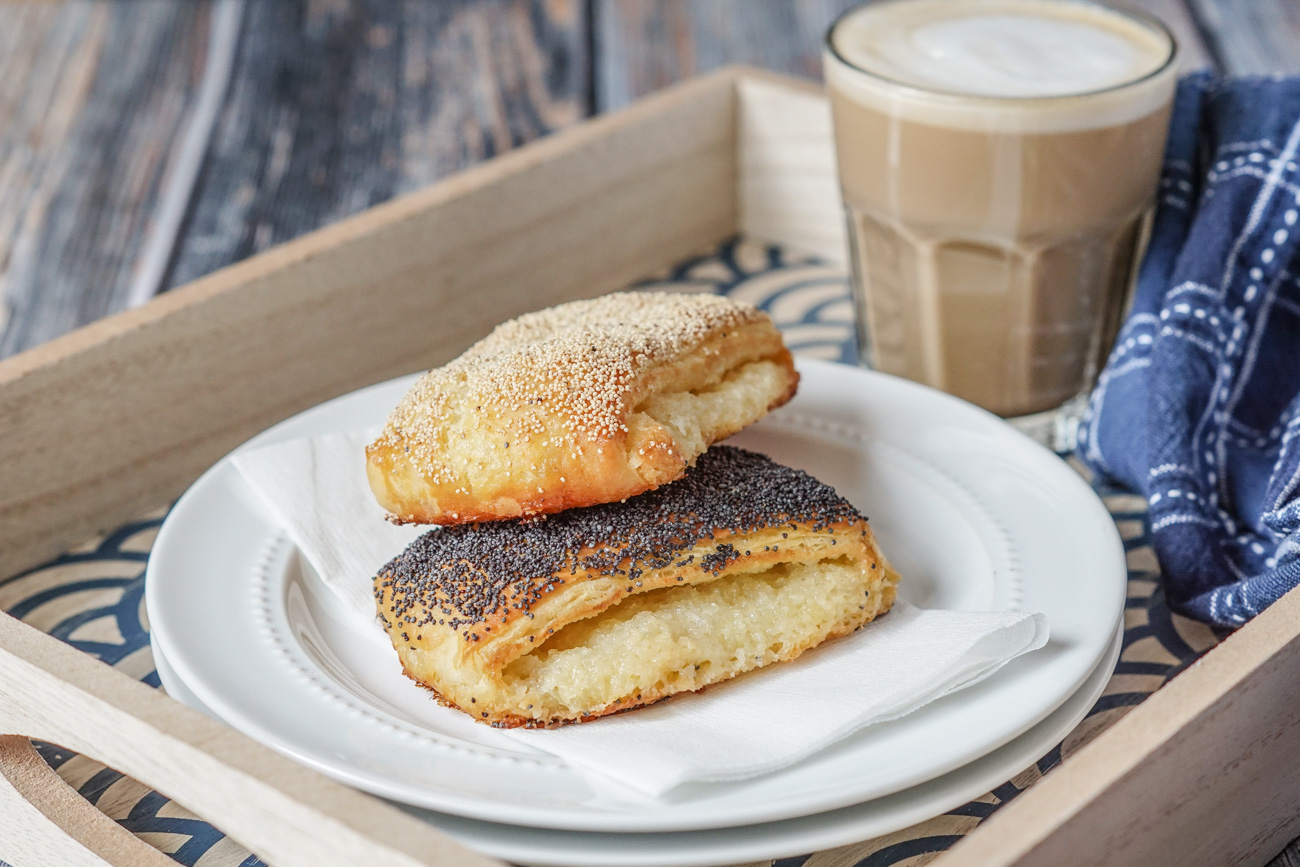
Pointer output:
468, 575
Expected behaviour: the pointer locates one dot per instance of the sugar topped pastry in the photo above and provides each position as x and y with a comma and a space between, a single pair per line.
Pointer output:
741, 563
588, 402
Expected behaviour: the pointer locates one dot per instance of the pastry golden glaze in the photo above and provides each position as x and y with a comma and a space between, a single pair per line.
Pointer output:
542, 622
589, 402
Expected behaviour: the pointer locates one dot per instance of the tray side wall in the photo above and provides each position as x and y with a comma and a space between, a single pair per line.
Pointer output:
107, 421
120, 416
288, 813
1203, 772
789, 192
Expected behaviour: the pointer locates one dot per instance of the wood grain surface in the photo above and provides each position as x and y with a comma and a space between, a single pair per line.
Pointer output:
145, 143
56, 693
94, 100
49, 822
335, 107
323, 109
1258, 37
643, 45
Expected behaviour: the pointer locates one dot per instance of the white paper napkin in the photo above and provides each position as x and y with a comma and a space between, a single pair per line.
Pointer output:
317, 489
757, 723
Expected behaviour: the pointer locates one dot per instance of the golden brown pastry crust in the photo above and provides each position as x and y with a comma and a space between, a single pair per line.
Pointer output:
589, 402
464, 604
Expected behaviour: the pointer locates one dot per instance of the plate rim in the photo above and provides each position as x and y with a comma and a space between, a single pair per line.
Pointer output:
848, 824
616, 821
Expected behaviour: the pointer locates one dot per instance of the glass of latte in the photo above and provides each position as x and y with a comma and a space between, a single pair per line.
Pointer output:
998, 161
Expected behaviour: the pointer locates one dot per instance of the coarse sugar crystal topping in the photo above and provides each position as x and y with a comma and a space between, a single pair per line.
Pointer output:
565, 371
464, 576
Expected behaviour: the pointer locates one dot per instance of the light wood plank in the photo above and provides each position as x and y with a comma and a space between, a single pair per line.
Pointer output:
277, 807
1202, 772
103, 424
1193, 51
47, 822
335, 107
94, 100
643, 45
1259, 37
331, 108
788, 189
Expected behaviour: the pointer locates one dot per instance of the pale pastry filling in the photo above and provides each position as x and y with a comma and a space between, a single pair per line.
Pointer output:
682, 638
694, 418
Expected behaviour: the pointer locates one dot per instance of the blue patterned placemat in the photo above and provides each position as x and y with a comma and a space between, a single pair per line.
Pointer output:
93, 598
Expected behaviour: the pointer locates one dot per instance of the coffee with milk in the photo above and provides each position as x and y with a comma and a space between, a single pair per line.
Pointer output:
998, 161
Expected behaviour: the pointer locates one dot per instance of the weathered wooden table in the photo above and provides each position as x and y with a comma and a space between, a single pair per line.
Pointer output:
143, 144
146, 143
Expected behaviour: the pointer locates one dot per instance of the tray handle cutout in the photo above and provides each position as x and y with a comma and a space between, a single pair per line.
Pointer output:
290, 815
48, 822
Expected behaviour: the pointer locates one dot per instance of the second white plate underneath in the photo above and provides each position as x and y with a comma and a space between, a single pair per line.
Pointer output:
974, 515
543, 848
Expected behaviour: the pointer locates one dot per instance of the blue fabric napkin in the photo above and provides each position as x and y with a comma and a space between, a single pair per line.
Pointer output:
1198, 406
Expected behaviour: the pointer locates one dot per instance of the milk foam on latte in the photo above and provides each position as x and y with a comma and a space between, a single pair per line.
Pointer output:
998, 161
999, 48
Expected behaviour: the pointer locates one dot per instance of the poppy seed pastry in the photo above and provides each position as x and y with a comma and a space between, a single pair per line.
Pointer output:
741, 563
588, 402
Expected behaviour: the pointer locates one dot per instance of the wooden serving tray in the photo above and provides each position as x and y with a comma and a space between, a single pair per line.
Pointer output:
122, 415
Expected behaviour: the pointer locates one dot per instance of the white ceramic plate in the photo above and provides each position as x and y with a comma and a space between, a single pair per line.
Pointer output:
522, 845
974, 515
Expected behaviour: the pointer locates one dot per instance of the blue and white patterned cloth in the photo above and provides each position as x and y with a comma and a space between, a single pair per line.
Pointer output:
1198, 407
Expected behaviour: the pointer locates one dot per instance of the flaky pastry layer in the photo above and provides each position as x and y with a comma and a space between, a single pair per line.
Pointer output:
740, 564
585, 403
